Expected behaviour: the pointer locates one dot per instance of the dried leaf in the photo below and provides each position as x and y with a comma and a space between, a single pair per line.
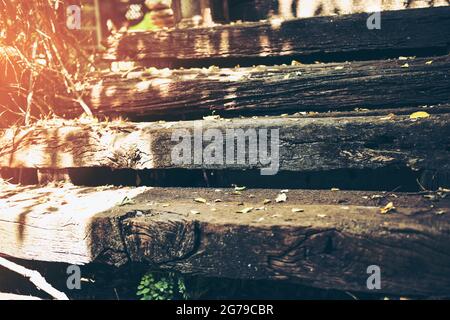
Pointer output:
388, 208
245, 210
267, 201
419, 115
125, 201
215, 117
195, 212
236, 188
200, 200
296, 210
390, 116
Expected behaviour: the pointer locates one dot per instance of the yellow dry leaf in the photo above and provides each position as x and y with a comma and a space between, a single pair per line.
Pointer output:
419, 115
195, 212
267, 201
406, 65
296, 210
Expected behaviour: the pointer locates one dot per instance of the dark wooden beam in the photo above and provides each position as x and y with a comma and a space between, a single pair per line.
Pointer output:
325, 239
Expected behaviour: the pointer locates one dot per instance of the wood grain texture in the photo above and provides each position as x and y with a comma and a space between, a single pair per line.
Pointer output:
401, 30
305, 143
265, 90
328, 245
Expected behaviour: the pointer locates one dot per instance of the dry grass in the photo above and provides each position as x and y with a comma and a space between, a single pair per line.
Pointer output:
41, 61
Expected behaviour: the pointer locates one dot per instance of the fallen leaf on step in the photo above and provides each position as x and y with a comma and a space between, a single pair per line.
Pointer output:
236, 188
125, 201
388, 208
195, 212
296, 210
245, 210
282, 197
267, 201
216, 117
390, 116
406, 65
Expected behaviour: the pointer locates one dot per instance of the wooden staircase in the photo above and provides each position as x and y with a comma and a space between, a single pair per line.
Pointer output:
345, 100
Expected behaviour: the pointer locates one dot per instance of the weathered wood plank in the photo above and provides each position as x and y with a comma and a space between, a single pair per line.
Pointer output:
329, 244
303, 144
11, 296
192, 93
415, 29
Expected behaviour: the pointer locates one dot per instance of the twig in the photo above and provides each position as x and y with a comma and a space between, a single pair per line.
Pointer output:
35, 277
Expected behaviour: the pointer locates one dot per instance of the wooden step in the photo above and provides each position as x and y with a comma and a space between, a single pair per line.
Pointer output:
325, 239
320, 37
304, 143
192, 93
